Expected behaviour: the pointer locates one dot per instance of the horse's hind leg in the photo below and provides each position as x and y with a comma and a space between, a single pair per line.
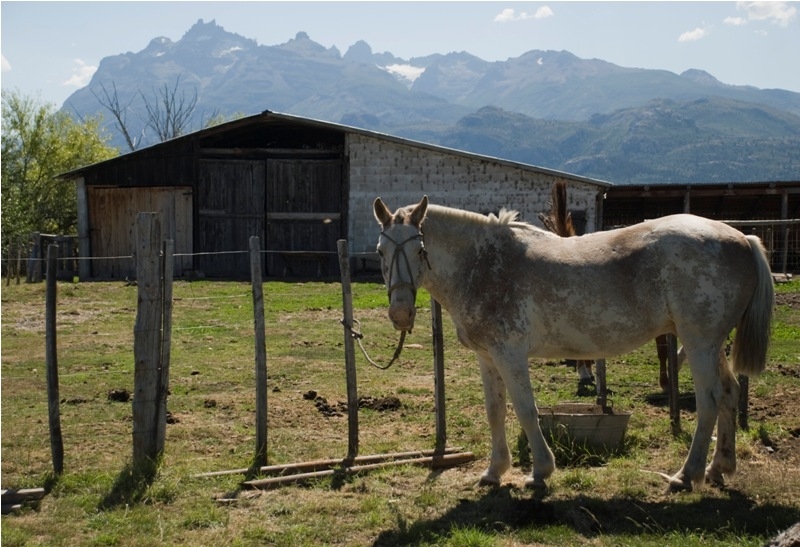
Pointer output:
724, 459
708, 394
494, 391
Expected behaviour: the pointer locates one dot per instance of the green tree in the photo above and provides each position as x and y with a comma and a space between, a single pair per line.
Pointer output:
38, 144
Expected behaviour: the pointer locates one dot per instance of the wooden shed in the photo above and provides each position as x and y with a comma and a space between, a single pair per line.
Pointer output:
298, 184
769, 209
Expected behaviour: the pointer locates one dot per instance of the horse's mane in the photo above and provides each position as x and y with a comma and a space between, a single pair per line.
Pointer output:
505, 217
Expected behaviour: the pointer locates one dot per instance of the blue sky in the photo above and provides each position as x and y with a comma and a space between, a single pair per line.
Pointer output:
50, 49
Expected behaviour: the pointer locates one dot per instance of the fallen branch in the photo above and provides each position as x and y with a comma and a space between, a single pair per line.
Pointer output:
318, 465
436, 462
12, 500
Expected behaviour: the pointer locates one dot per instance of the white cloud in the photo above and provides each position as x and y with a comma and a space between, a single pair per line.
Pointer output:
735, 21
6, 66
510, 14
693, 35
779, 13
81, 74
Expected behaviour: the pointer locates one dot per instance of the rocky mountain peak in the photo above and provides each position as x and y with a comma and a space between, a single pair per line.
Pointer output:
700, 77
360, 52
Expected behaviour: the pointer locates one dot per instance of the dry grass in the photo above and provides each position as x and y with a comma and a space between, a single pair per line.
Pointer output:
100, 500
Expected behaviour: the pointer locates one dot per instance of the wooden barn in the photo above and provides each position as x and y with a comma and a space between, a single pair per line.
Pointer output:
298, 184
769, 209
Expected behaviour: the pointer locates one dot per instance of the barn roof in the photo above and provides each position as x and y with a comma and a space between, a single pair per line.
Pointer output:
244, 133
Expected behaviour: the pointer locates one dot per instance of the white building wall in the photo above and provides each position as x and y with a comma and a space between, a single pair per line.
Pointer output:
401, 174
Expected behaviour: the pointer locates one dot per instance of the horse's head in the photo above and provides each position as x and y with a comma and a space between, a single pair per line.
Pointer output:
403, 258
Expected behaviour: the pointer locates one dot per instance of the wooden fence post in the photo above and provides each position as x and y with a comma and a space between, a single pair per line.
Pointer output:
147, 340
260, 352
438, 375
602, 386
349, 352
51, 351
744, 399
34, 259
167, 252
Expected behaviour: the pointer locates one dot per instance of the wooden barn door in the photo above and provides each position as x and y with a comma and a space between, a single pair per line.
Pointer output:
230, 197
112, 221
304, 216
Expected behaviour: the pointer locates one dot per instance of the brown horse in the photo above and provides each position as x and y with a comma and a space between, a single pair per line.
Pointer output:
559, 221
516, 291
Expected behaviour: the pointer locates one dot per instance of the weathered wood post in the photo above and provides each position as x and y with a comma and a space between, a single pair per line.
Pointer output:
744, 400
602, 390
19, 262
51, 357
147, 343
260, 353
167, 269
349, 352
672, 376
34, 259
438, 375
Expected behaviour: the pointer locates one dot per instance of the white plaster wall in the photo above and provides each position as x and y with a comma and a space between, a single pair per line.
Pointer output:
401, 174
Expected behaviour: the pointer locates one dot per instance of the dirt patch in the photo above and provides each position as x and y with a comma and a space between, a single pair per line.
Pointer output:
788, 299
379, 404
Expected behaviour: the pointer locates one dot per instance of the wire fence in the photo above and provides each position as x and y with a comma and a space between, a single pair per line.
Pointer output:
211, 375
212, 334
24, 260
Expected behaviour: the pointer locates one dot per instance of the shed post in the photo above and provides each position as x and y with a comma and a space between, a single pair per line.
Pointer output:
84, 239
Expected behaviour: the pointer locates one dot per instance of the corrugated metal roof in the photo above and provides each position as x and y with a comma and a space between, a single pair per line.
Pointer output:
268, 117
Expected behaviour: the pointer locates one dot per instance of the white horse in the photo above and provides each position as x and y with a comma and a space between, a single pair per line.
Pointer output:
559, 221
514, 291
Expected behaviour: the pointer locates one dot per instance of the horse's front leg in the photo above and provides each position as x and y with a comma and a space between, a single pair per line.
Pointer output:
518, 382
494, 391
724, 459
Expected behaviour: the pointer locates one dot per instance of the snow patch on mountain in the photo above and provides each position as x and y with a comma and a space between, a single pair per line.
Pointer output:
405, 73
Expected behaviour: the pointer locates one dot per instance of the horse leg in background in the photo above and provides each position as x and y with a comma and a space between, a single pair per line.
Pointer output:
724, 459
494, 391
708, 392
584, 370
662, 349
514, 370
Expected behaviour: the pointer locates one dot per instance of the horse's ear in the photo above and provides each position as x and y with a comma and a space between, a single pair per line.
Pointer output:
418, 213
382, 213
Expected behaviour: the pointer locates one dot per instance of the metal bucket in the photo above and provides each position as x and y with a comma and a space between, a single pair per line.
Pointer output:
600, 428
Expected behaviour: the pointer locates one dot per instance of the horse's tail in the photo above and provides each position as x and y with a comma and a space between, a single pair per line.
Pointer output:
753, 331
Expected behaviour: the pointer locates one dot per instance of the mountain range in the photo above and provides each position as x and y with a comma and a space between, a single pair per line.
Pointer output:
546, 108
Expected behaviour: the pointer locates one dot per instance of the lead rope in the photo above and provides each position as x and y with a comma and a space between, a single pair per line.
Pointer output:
358, 336
357, 333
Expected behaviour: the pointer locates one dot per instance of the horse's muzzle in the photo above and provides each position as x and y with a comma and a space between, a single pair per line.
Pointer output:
402, 315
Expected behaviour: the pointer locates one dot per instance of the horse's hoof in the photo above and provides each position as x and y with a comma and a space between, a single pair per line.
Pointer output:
488, 480
715, 479
676, 485
536, 484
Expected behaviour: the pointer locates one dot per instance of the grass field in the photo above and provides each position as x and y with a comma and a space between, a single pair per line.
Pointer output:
592, 499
